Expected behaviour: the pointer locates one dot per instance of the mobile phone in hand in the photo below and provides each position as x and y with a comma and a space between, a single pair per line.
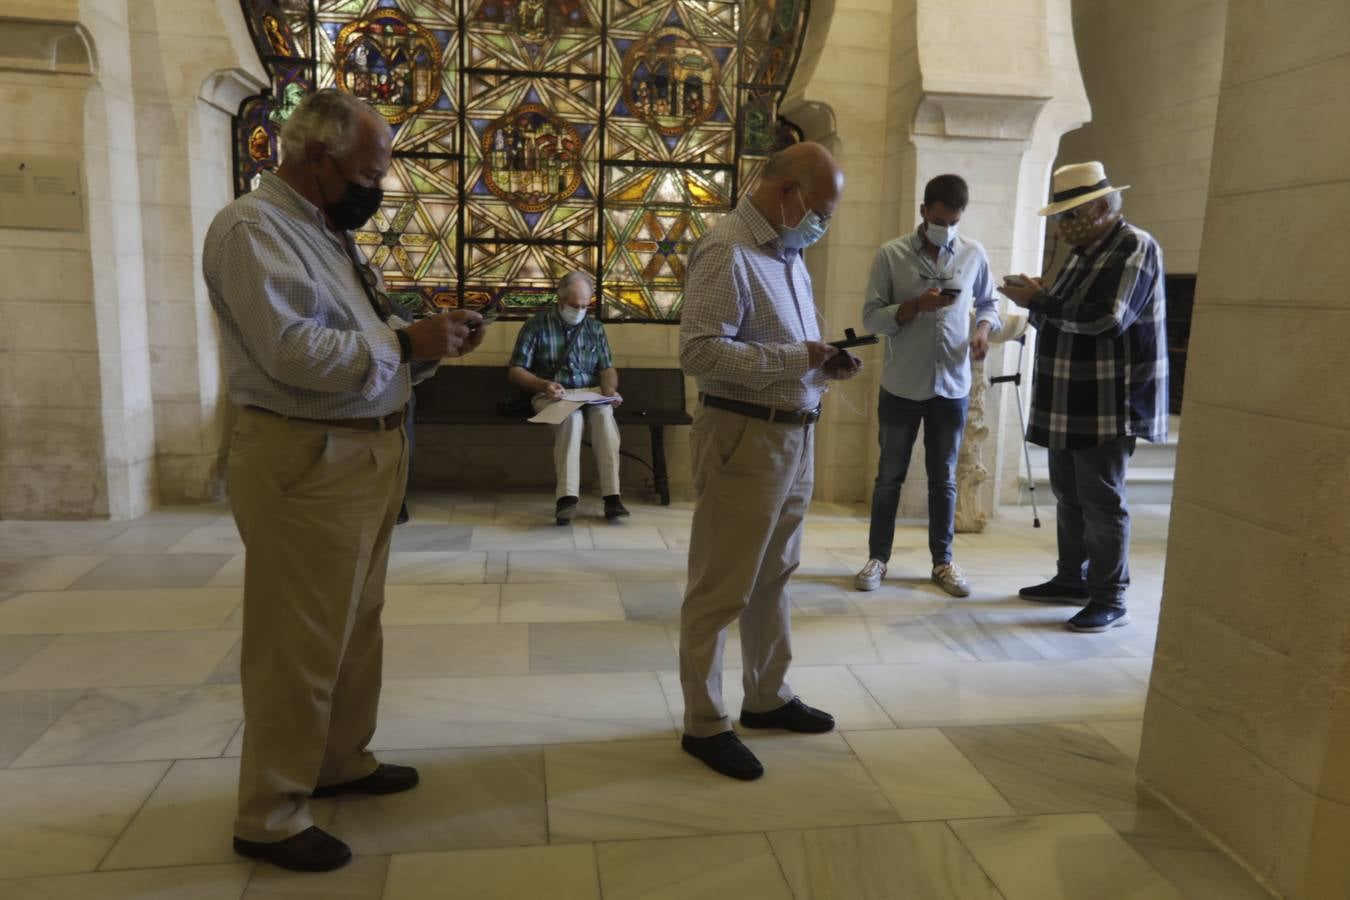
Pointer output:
490, 311
1015, 281
851, 339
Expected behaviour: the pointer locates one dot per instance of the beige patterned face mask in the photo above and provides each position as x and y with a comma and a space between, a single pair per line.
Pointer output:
1079, 228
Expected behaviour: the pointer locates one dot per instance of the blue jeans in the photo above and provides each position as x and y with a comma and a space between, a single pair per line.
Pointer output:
944, 421
1093, 519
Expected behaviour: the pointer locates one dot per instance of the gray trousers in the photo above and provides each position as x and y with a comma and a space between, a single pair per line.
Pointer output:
1093, 519
753, 482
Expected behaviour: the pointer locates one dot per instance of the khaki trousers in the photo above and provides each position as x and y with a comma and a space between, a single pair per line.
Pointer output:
315, 507
567, 448
753, 482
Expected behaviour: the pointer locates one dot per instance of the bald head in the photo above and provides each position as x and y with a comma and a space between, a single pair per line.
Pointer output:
800, 178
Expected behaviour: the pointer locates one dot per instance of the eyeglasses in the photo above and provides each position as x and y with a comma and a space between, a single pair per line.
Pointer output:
807, 204
384, 307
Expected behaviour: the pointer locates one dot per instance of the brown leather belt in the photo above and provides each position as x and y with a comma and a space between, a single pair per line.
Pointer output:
380, 423
767, 413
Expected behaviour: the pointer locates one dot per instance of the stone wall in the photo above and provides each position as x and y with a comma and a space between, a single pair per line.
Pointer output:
109, 382
1152, 73
1247, 728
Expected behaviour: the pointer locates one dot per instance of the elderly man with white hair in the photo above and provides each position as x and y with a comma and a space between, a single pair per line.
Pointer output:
1099, 384
322, 371
562, 349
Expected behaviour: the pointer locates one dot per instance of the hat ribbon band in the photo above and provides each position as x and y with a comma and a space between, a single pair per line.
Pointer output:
1061, 196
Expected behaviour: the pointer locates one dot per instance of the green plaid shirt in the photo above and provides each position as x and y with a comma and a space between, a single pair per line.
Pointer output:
541, 342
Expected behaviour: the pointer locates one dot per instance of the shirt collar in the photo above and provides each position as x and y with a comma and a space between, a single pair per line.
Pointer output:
275, 190
763, 233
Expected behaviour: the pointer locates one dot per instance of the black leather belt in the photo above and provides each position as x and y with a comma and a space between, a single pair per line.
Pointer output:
378, 423
767, 413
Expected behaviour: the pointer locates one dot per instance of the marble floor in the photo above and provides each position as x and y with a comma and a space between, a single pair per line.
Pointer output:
982, 750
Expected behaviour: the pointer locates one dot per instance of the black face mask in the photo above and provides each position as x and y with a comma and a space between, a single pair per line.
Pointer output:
355, 207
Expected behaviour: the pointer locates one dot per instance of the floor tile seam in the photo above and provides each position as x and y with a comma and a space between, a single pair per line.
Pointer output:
970, 851
84, 692
145, 801
171, 866
974, 765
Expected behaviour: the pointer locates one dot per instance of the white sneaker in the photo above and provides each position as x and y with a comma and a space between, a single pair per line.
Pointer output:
951, 579
869, 579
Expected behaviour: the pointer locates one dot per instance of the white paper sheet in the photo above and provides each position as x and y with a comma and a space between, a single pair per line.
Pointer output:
556, 412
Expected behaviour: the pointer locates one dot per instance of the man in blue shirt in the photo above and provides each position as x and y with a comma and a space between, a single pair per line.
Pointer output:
923, 288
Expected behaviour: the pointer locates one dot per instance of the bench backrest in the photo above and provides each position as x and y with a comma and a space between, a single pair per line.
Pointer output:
469, 395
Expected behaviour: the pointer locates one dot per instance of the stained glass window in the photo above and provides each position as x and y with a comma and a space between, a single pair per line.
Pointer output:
533, 137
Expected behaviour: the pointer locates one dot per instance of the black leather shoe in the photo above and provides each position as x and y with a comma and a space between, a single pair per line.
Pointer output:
1054, 592
312, 850
1098, 617
566, 510
614, 508
793, 716
387, 779
724, 754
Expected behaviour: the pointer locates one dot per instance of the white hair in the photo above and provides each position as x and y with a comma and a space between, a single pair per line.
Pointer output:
573, 278
330, 117
1114, 204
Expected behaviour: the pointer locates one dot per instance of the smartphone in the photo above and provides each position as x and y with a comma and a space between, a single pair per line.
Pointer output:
1014, 280
851, 339
950, 293
489, 311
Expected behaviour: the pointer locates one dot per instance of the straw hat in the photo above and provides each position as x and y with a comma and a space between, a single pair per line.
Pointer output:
1078, 184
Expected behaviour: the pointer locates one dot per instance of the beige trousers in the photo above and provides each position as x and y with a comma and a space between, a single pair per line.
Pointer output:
316, 507
753, 481
567, 448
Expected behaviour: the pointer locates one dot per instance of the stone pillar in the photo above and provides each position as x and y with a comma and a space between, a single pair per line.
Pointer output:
1247, 726
189, 81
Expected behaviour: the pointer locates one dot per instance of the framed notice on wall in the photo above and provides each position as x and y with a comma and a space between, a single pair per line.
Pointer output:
40, 192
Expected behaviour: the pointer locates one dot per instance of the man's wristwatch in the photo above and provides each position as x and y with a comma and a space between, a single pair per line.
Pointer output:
404, 345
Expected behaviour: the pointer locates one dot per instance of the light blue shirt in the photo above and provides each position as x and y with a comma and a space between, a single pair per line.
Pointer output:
928, 356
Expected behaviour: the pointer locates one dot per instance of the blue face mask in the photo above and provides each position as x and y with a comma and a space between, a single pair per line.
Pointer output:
940, 235
810, 229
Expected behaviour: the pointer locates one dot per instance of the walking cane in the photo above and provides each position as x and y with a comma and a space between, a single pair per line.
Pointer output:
1016, 380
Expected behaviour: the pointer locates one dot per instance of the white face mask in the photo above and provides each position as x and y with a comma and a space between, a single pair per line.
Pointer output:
571, 314
940, 235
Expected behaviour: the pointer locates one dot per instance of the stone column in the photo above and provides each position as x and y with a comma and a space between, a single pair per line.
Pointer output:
189, 81
1247, 727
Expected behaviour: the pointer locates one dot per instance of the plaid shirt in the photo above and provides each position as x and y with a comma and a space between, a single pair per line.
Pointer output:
1101, 352
747, 309
540, 344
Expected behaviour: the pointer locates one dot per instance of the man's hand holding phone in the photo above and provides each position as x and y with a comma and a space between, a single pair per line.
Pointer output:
454, 333
1020, 289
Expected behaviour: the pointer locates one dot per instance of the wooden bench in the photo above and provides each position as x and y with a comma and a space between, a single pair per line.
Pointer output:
468, 395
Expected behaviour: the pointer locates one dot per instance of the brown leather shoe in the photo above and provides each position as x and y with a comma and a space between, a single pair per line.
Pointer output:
387, 779
312, 850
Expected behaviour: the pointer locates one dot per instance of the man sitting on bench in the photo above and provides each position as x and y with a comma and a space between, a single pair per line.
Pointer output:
562, 349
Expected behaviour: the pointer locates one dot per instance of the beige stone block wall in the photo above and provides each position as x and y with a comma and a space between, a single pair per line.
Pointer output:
184, 167
1247, 728
1152, 72
51, 428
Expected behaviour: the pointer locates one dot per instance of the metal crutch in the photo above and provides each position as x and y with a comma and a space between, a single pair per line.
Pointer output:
1016, 380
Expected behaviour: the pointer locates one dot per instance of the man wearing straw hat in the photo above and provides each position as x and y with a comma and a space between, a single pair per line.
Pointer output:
1099, 384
